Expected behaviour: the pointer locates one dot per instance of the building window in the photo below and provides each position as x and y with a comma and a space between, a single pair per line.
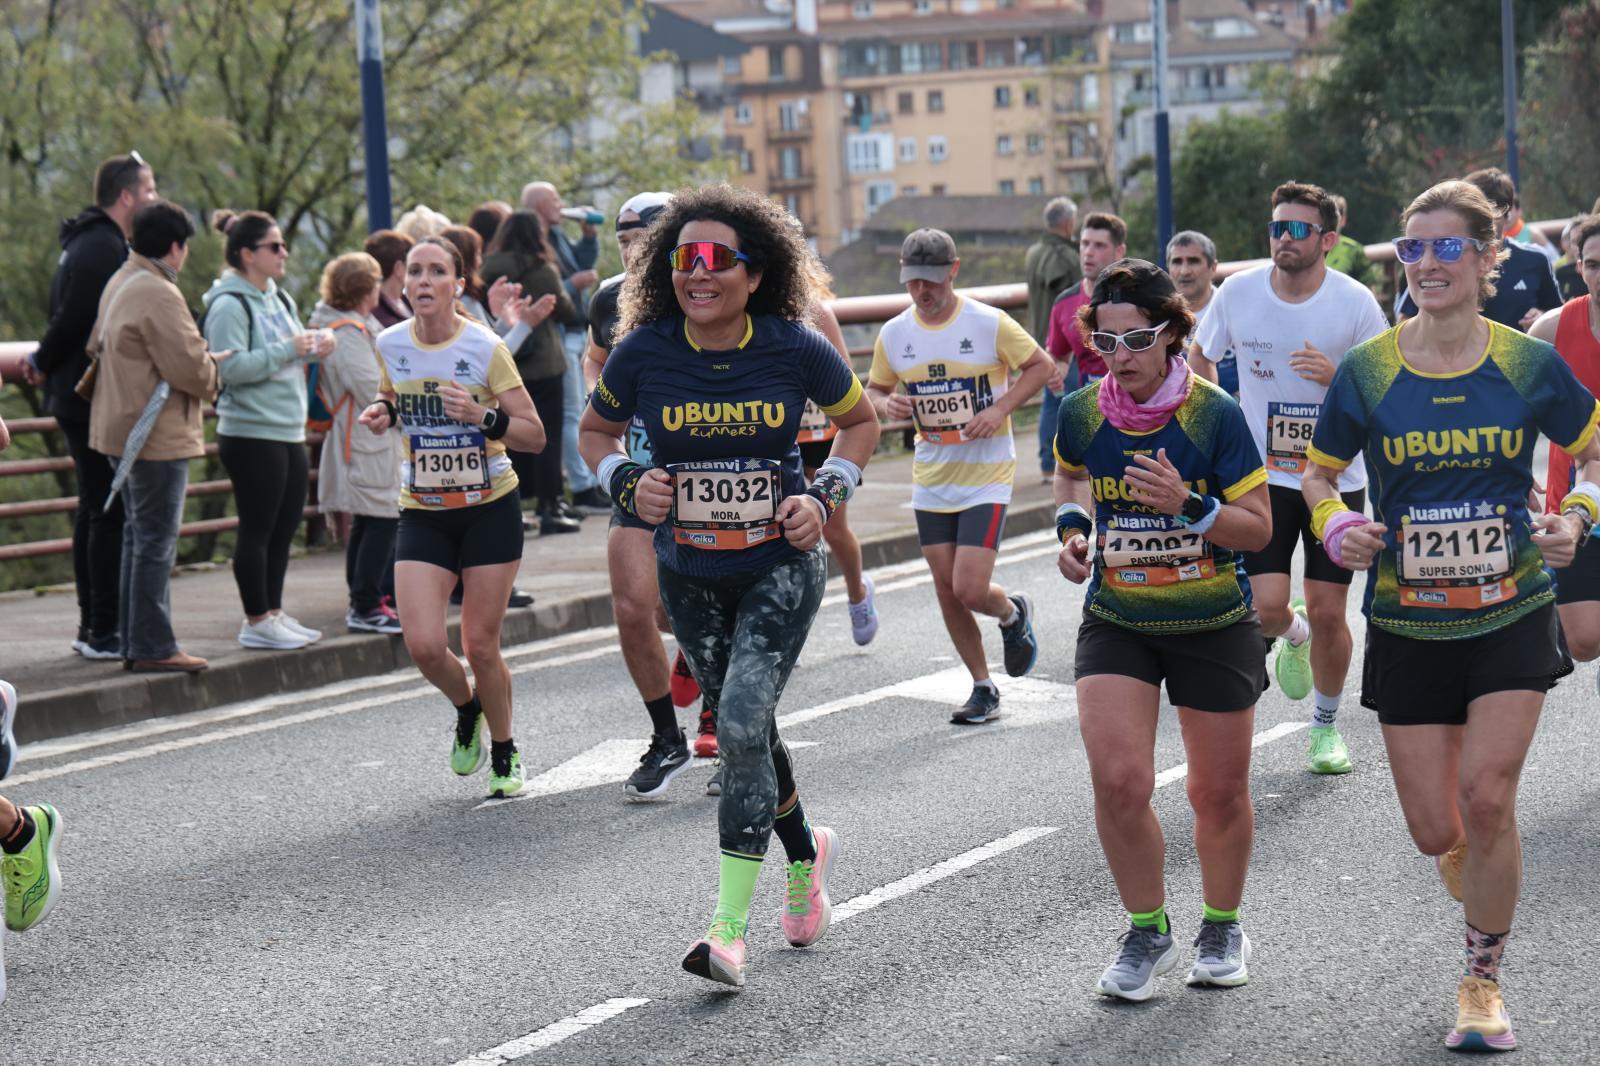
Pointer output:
789, 117
869, 153
791, 203
1002, 144
1032, 49
1035, 186
1002, 96
747, 162
1035, 144
789, 163
741, 113
1008, 188
1089, 92
908, 190
1030, 96
878, 194
963, 55
938, 148
862, 9
905, 103
1000, 53
775, 62
936, 190
935, 99
1078, 182
923, 7
730, 66
1005, 5
908, 149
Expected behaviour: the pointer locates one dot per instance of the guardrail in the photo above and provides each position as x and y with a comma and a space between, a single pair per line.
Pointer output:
851, 311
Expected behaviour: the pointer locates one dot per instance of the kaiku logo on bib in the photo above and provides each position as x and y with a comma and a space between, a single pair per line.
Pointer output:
699, 538
1132, 577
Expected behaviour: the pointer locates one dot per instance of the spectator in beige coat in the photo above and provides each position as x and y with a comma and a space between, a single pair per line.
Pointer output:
358, 479
145, 335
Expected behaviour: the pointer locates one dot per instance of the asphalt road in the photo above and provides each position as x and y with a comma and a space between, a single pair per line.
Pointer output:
303, 881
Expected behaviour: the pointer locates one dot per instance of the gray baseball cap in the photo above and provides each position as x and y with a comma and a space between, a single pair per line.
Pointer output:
927, 255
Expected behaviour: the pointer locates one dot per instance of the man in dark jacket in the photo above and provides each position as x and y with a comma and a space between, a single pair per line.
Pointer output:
93, 246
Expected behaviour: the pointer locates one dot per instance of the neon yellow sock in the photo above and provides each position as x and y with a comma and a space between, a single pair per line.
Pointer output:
736, 886
1156, 919
1214, 915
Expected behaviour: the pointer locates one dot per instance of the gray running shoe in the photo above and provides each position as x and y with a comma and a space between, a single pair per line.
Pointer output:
1146, 954
714, 786
982, 706
1223, 952
1021, 646
665, 758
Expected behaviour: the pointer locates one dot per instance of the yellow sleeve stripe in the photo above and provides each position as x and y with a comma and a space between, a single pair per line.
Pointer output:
1074, 467
1254, 479
1588, 433
849, 400
1322, 458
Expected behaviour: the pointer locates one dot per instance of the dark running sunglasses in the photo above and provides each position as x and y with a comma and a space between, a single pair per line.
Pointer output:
1445, 249
716, 257
1135, 340
1297, 230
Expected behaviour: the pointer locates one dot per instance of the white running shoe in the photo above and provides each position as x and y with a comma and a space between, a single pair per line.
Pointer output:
293, 625
863, 616
8, 742
270, 634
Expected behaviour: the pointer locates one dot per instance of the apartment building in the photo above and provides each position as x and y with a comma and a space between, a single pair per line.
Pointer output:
842, 105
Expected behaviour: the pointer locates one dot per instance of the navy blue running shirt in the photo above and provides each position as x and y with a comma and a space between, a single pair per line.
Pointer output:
724, 424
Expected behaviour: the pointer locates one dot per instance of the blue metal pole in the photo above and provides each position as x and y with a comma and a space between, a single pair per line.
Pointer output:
1508, 67
1164, 225
374, 124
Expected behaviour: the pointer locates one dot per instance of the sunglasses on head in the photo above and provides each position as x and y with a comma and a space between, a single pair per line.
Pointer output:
1297, 230
1135, 340
716, 257
1445, 249
271, 246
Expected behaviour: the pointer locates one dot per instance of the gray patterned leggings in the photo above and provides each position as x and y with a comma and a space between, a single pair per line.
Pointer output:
742, 635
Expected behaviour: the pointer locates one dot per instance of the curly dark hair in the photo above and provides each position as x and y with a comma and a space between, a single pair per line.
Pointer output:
1148, 288
766, 233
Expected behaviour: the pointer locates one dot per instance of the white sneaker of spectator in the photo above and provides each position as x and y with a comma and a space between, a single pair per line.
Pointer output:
270, 633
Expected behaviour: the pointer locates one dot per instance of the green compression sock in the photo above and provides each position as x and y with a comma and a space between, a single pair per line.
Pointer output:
737, 886
1156, 919
1214, 915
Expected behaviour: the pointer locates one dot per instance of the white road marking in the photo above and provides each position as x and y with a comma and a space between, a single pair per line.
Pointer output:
1266, 736
939, 871
229, 712
553, 1033
915, 572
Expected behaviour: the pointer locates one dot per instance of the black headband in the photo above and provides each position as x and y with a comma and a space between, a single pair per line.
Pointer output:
1133, 281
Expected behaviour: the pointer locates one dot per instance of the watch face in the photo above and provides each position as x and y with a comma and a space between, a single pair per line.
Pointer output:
1193, 508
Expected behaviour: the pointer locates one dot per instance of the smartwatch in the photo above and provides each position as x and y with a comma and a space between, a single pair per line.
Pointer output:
1194, 509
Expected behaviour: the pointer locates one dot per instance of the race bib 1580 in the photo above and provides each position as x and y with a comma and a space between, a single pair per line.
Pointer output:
1289, 429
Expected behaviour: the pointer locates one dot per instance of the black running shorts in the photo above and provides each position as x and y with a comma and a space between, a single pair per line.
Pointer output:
1291, 525
484, 534
1430, 682
976, 527
621, 519
1580, 582
1218, 670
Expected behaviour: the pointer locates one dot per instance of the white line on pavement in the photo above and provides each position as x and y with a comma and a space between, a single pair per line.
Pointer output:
1266, 736
553, 1033
914, 573
939, 871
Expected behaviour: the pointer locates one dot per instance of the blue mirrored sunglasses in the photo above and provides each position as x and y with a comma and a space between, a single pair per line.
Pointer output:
1445, 249
1297, 230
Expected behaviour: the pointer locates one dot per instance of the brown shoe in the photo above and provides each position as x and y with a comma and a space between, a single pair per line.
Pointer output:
181, 663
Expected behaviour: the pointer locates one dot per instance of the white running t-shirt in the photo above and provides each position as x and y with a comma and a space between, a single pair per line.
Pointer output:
1262, 329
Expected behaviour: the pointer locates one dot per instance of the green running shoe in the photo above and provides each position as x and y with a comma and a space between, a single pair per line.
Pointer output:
468, 752
1328, 754
32, 879
505, 779
1293, 665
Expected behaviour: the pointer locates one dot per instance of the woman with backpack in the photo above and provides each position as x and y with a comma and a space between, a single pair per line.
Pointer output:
261, 417
359, 475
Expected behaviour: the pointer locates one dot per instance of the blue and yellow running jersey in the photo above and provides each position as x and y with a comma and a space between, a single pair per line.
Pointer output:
1150, 573
724, 423
1450, 460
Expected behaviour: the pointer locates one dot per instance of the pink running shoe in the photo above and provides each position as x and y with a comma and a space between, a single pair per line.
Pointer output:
720, 956
809, 910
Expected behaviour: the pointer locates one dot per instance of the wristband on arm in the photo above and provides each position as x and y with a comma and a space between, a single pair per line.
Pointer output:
394, 415
1324, 510
1204, 523
1334, 531
621, 477
1072, 519
496, 423
834, 484
1584, 497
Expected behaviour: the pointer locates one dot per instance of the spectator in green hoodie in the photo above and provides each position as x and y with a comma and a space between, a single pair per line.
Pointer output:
261, 417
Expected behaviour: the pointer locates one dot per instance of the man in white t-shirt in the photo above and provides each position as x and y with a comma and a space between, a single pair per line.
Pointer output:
1289, 324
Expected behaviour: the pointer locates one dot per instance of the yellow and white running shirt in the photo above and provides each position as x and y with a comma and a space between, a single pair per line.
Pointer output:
952, 371
448, 464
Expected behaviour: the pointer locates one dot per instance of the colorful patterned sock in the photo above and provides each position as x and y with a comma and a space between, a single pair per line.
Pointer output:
1483, 953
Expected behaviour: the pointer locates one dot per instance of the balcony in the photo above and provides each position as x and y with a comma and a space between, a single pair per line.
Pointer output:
788, 181
798, 130
1197, 94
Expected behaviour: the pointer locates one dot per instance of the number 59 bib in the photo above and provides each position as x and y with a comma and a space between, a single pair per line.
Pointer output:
725, 504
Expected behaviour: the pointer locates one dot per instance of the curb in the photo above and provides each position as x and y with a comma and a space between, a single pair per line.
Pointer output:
136, 698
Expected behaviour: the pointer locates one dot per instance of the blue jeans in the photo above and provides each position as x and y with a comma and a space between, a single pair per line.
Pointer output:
579, 479
152, 500
1049, 406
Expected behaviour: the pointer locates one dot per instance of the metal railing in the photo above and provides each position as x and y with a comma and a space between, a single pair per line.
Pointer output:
850, 310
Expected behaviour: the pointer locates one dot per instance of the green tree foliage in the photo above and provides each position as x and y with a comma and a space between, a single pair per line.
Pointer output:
1561, 170
1412, 96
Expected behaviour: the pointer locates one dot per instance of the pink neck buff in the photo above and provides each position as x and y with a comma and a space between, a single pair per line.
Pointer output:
1126, 413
